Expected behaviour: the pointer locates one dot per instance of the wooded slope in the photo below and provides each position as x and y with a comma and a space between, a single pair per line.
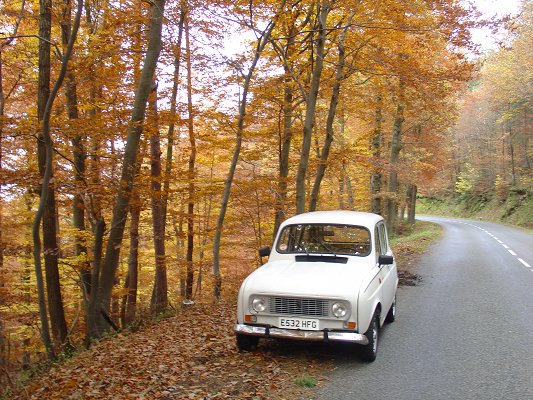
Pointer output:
147, 150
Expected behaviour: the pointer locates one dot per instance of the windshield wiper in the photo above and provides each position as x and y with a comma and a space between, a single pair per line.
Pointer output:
328, 249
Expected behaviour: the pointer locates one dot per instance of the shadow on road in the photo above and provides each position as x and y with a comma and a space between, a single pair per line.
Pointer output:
336, 353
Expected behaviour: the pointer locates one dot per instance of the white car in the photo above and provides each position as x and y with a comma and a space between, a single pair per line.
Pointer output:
331, 276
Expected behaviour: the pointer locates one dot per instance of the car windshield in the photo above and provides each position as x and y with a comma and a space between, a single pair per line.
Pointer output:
324, 239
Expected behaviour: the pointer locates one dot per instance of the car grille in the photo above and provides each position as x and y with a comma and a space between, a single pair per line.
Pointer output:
297, 306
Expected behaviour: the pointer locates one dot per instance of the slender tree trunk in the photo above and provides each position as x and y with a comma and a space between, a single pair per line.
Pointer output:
309, 121
284, 153
375, 145
525, 141
55, 303
2, 105
286, 135
171, 128
396, 146
204, 232
79, 157
180, 246
93, 170
260, 45
130, 303
159, 300
172, 117
402, 205
511, 152
339, 76
97, 220
345, 183
48, 218
98, 320
411, 204
191, 173
43, 95
2, 245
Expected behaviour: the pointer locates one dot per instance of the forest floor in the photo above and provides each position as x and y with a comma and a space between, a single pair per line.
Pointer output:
192, 355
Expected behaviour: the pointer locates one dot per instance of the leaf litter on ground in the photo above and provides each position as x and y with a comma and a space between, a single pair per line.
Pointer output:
188, 356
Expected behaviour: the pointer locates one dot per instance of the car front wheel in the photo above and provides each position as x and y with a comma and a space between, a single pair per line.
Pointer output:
246, 342
370, 350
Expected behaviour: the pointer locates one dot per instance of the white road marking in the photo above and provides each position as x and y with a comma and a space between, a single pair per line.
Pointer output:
504, 245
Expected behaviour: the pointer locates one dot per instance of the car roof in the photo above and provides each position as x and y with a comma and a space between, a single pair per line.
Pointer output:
365, 219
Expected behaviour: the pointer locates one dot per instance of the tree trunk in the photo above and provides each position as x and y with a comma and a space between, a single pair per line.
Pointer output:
375, 145
284, 153
312, 96
180, 245
345, 183
525, 141
2, 246
98, 321
511, 152
339, 76
172, 117
411, 203
396, 146
2, 103
260, 45
42, 97
159, 300
79, 157
286, 136
52, 275
191, 174
130, 301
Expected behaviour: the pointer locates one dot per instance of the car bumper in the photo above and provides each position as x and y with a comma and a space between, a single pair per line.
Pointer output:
324, 335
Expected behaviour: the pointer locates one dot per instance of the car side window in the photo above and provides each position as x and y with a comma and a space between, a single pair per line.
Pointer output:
377, 242
381, 239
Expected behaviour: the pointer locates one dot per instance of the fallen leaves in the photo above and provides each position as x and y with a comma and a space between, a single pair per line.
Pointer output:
189, 356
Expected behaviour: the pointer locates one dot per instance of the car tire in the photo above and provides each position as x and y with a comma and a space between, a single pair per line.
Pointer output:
369, 351
391, 315
246, 342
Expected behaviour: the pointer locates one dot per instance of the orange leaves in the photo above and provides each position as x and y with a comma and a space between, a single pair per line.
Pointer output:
190, 356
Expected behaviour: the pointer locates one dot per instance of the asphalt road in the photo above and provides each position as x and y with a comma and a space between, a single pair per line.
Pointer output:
465, 332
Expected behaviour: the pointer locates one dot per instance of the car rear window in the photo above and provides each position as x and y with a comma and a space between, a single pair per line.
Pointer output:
324, 239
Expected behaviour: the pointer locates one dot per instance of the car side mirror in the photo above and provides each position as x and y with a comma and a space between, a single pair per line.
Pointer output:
264, 251
385, 260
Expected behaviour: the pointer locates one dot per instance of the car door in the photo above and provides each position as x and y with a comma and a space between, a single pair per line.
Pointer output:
388, 274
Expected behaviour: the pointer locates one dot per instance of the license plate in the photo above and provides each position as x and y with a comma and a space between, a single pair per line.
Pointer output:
299, 323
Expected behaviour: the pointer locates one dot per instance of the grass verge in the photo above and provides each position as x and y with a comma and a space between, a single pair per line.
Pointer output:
410, 245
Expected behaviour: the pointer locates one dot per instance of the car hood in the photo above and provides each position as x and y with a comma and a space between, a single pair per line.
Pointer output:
309, 279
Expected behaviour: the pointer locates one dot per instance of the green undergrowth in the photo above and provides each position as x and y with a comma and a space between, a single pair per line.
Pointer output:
418, 236
306, 381
410, 245
516, 208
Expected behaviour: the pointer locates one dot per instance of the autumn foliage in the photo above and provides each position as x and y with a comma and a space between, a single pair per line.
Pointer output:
184, 132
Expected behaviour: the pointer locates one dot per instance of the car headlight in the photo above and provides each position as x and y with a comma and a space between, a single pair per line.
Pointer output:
339, 309
259, 304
